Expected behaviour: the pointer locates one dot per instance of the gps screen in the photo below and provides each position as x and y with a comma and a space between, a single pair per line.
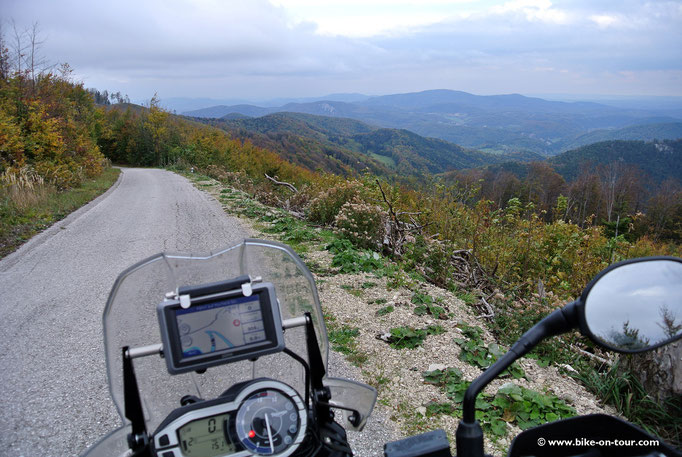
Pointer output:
220, 325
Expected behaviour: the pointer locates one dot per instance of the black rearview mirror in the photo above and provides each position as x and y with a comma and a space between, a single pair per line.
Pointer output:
636, 305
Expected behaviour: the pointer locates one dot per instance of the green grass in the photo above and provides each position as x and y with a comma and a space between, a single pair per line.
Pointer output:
352, 291
388, 161
19, 223
348, 259
291, 230
475, 352
342, 339
624, 391
385, 310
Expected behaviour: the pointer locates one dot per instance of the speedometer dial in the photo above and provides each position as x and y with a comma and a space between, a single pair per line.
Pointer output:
270, 422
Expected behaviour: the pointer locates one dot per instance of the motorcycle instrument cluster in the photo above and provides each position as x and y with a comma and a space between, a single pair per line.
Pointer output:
266, 418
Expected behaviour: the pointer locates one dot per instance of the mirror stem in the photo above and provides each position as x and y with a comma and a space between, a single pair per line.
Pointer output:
469, 439
562, 320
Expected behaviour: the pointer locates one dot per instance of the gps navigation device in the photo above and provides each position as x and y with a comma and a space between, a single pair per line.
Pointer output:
206, 326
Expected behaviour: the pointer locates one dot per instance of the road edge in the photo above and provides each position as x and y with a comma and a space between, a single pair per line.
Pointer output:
8, 261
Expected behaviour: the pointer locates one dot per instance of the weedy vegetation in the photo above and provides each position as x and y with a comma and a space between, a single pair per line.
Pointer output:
512, 404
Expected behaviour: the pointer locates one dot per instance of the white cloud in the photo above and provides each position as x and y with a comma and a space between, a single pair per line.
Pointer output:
604, 20
261, 49
534, 10
362, 18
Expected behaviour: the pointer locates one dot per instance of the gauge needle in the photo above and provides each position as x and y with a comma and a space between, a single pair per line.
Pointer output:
267, 425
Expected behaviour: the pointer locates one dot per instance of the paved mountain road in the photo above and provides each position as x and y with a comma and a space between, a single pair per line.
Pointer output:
53, 389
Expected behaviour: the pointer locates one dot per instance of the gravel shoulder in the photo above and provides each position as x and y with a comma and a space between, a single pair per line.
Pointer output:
398, 374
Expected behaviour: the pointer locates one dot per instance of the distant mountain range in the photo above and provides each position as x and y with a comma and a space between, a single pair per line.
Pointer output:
185, 104
496, 123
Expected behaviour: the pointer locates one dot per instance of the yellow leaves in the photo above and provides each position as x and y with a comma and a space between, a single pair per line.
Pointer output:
11, 143
51, 131
42, 137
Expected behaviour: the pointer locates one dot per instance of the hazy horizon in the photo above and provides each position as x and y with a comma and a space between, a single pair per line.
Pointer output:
656, 103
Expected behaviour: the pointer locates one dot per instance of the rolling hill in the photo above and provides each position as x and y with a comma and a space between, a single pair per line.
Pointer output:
657, 160
660, 160
493, 123
646, 132
340, 145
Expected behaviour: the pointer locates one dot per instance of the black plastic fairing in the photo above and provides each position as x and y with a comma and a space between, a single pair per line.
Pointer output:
611, 436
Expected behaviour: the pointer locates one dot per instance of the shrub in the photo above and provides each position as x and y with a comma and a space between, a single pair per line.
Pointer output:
362, 224
326, 205
430, 259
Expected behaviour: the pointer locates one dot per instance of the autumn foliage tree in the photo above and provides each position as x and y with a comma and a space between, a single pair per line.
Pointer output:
48, 124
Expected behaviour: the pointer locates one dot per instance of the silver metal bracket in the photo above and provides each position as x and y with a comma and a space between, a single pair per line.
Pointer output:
294, 322
144, 351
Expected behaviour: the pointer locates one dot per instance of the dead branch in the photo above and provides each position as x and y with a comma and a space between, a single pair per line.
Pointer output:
282, 183
592, 356
490, 310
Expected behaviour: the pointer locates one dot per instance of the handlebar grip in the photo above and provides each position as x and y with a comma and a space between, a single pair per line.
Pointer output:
429, 444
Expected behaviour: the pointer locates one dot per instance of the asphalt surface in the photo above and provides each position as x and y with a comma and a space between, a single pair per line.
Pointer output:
53, 387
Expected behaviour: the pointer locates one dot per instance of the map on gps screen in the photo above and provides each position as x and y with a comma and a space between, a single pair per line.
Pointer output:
220, 325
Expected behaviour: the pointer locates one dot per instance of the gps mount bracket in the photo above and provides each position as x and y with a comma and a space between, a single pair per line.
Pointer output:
185, 293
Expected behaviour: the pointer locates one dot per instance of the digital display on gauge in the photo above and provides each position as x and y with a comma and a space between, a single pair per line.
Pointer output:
220, 325
205, 437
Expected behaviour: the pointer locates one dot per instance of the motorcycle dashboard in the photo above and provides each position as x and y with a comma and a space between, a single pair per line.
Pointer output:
267, 417
219, 328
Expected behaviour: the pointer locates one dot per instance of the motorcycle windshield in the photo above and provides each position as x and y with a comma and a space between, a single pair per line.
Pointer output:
130, 320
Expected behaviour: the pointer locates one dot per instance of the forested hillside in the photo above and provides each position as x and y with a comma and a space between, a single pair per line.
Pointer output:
321, 142
630, 187
415, 154
659, 160
460, 212
314, 142
646, 132
48, 129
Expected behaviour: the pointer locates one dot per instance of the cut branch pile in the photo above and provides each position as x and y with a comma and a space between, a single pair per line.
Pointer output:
399, 231
467, 272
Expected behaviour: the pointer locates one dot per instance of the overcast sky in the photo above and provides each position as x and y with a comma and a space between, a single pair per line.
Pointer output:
258, 49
